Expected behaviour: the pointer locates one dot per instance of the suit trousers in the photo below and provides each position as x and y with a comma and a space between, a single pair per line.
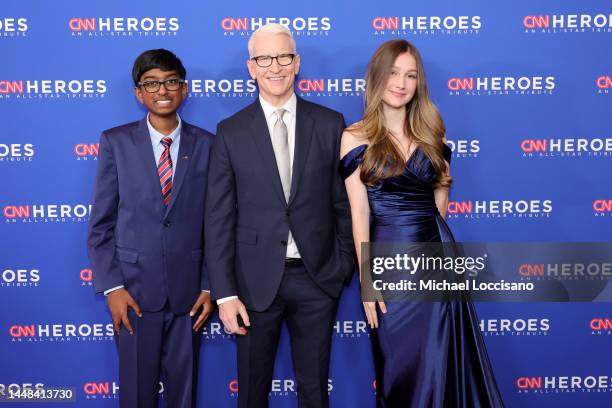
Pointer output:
163, 347
309, 313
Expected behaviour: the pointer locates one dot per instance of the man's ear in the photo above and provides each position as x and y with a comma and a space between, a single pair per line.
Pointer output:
252, 69
297, 64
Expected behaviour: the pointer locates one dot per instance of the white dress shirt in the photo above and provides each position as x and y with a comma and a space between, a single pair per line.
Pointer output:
158, 147
289, 118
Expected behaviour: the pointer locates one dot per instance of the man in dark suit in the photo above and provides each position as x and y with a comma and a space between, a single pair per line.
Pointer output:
146, 238
278, 226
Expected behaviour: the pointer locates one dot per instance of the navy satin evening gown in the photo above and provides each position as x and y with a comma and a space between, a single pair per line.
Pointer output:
426, 354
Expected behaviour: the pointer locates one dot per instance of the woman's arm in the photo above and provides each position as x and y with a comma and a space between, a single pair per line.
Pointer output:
358, 198
441, 193
441, 197
360, 217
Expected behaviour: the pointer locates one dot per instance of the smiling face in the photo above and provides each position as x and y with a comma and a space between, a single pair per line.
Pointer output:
402, 82
276, 81
163, 103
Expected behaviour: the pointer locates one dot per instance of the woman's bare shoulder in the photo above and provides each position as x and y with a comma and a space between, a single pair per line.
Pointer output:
352, 137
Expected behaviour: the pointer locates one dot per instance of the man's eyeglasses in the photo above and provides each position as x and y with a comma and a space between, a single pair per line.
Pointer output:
172, 84
264, 61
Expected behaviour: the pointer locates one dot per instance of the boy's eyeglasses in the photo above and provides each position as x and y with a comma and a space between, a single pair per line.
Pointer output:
172, 84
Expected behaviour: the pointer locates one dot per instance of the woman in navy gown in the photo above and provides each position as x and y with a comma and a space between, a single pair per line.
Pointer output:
396, 167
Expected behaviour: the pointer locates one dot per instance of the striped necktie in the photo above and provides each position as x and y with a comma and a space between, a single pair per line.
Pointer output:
164, 170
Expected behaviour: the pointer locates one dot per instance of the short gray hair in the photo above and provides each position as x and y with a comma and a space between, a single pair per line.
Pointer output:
272, 28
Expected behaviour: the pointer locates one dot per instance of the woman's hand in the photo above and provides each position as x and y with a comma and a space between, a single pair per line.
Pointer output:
370, 312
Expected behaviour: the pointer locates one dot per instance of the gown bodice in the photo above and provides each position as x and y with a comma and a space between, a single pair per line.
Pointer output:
403, 207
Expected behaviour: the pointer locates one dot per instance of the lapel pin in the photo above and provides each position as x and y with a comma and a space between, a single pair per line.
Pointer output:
185, 157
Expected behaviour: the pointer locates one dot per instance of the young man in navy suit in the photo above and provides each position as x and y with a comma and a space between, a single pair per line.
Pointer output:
146, 240
278, 225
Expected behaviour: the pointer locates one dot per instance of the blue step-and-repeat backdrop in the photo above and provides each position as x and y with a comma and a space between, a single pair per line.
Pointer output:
525, 89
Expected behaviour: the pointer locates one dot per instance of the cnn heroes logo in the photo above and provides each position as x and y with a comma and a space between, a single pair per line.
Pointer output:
501, 85
299, 26
16, 152
331, 86
46, 213
566, 271
15, 278
567, 23
52, 88
61, 332
515, 327
566, 147
13, 27
445, 25
482, 209
563, 384
124, 27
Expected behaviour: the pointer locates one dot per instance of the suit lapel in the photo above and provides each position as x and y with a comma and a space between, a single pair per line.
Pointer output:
263, 141
142, 141
184, 159
303, 137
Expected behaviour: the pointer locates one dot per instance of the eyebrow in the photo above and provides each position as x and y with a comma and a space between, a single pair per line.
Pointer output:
160, 78
410, 70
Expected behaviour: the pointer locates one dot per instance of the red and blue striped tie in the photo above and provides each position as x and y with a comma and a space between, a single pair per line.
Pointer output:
164, 170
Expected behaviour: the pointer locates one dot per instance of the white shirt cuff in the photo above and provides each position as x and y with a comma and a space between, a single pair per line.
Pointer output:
106, 292
225, 299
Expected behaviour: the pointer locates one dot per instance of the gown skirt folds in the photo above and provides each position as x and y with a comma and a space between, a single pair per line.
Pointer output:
426, 354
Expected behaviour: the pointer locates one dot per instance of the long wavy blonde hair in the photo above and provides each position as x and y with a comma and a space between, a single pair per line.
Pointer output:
423, 125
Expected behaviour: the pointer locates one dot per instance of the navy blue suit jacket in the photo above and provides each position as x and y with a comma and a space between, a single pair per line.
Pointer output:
134, 240
248, 218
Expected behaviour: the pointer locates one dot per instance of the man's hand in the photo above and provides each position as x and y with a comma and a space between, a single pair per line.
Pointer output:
118, 302
228, 312
205, 303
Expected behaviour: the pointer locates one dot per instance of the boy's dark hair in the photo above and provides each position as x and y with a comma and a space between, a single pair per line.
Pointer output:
161, 59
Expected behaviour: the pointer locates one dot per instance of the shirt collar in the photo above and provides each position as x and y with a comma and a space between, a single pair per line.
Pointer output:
290, 106
157, 137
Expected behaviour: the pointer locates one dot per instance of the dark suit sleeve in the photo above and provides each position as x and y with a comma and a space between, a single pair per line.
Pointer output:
101, 235
220, 220
204, 279
342, 209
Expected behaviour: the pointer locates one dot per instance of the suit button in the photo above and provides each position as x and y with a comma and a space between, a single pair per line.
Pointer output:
288, 213
167, 224
283, 243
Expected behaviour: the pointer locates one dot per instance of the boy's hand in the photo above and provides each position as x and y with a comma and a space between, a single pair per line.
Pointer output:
205, 303
118, 302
